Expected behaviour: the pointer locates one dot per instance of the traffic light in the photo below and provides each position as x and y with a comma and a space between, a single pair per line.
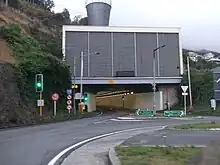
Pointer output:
74, 86
85, 98
39, 86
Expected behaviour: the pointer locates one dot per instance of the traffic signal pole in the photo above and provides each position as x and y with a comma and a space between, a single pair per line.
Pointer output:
41, 108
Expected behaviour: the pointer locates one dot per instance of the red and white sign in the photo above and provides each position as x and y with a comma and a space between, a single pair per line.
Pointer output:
69, 97
69, 102
69, 107
55, 97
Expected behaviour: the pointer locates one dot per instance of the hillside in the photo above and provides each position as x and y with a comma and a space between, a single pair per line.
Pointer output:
29, 45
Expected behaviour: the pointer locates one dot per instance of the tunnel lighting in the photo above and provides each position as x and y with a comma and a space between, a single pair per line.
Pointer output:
110, 93
115, 95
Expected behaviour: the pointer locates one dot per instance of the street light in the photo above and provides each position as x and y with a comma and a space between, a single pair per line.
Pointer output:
154, 76
81, 77
74, 74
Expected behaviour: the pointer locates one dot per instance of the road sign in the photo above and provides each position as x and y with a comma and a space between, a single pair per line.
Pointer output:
69, 97
184, 88
78, 96
69, 91
55, 97
173, 113
111, 81
40, 103
69, 107
69, 102
144, 112
184, 94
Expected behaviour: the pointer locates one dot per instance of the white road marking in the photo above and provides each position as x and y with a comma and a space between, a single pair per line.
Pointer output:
127, 120
58, 156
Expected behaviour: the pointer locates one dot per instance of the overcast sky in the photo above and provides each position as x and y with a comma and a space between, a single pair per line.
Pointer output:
199, 19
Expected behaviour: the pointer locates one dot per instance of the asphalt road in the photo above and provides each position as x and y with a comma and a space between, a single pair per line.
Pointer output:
37, 145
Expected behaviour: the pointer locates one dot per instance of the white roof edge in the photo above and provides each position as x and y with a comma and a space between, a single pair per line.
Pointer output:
121, 29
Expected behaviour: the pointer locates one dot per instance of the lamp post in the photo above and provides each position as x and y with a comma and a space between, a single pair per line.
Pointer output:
81, 76
189, 81
154, 77
74, 75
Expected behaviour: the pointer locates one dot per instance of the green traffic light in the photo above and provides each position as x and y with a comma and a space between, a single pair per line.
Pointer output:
86, 98
38, 84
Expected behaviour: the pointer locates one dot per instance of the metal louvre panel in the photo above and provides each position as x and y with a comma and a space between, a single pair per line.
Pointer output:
169, 55
100, 66
146, 42
75, 43
124, 55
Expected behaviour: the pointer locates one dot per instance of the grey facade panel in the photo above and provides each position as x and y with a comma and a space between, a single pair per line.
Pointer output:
100, 66
75, 43
98, 13
123, 46
146, 42
169, 55
119, 51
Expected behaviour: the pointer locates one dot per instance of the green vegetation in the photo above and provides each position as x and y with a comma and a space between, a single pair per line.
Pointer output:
31, 60
156, 155
201, 81
202, 86
199, 125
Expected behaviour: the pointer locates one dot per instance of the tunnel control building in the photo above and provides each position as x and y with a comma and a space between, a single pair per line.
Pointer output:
126, 57
98, 12
126, 53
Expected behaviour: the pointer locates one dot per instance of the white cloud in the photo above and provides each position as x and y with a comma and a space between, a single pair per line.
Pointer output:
199, 19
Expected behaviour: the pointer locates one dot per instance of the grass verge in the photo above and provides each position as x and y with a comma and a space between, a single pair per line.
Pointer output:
156, 155
198, 125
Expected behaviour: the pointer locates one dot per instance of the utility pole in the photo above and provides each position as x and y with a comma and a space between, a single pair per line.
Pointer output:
81, 77
154, 78
189, 81
154, 83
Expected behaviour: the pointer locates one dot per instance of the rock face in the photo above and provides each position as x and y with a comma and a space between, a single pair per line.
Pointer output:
10, 101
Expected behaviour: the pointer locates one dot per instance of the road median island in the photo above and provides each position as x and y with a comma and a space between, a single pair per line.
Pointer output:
198, 126
157, 155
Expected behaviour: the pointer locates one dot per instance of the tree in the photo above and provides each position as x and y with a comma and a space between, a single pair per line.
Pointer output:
201, 80
79, 20
47, 4
66, 15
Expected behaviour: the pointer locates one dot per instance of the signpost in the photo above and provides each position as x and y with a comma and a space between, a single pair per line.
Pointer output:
69, 100
144, 112
173, 113
55, 97
184, 88
40, 103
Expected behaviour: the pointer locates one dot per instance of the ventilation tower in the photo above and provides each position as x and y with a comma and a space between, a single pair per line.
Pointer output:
98, 12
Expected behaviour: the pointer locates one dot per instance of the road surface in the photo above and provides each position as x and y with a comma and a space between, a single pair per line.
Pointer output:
37, 145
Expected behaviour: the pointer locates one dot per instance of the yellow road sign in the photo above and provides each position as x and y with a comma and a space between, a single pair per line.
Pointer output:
111, 81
